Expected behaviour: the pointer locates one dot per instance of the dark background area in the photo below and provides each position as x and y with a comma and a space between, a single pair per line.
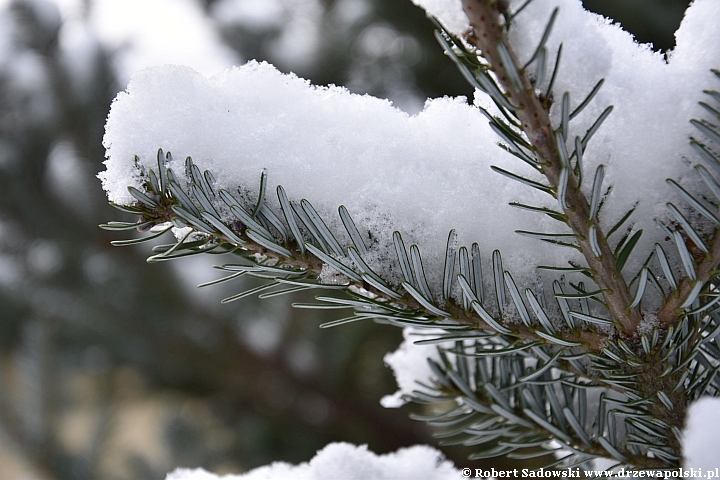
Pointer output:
111, 368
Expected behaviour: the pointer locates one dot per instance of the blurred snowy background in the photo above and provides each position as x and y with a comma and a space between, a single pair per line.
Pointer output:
111, 368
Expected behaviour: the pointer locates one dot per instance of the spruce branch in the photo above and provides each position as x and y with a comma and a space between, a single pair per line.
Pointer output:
515, 376
286, 260
706, 270
489, 36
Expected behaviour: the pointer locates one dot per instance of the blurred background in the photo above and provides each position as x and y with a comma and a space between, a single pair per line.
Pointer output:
114, 369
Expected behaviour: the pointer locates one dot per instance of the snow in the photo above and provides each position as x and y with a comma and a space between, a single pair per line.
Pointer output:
653, 99
449, 12
409, 363
429, 173
346, 461
700, 440
324, 144
644, 139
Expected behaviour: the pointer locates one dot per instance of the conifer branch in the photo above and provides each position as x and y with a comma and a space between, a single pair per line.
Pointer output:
160, 207
706, 269
513, 373
489, 35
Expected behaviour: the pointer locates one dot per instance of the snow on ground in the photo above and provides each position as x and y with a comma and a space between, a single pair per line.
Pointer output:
346, 461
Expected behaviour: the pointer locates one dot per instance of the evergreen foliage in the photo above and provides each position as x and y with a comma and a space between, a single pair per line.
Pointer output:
580, 373
89, 333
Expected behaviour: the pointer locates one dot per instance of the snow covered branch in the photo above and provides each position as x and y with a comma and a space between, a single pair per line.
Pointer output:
618, 361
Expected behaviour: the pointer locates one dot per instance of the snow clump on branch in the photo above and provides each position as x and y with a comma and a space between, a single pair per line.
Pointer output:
426, 174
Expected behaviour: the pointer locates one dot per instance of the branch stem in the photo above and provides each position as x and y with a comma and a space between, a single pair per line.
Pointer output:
592, 341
